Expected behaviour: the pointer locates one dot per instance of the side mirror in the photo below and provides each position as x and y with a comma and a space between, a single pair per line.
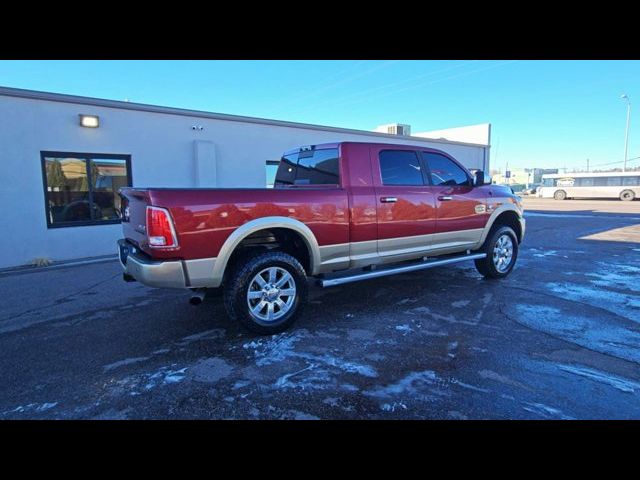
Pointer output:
481, 178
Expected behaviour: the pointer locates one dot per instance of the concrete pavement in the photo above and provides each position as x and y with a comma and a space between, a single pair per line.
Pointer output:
560, 338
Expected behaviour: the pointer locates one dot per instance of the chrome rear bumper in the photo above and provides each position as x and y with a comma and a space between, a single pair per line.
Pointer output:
165, 274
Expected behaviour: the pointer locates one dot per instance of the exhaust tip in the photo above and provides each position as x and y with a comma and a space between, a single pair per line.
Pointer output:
197, 297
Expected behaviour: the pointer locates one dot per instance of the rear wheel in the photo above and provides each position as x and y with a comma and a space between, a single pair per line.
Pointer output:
266, 292
502, 251
627, 195
560, 195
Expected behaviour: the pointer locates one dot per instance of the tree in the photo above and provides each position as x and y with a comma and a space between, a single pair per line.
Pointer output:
55, 175
84, 187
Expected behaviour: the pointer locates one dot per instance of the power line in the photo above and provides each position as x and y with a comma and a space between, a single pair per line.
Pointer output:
409, 80
615, 163
341, 103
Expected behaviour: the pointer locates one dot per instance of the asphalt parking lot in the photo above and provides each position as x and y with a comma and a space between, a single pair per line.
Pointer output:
559, 339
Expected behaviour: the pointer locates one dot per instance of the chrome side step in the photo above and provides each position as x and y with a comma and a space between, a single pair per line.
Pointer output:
332, 282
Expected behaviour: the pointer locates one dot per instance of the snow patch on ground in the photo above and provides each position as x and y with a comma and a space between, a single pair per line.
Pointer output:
122, 363
31, 408
460, 303
165, 376
134, 385
622, 384
455, 415
622, 276
319, 371
598, 333
408, 385
546, 253
617, 303
496, 377
206, 335
405, 328
387, 407
331, 401
546, 411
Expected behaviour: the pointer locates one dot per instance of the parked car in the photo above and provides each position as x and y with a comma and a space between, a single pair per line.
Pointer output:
515, 187
339, 213
531, 189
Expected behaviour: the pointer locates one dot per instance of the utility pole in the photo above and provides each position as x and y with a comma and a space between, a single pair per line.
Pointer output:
626, 131
587, 165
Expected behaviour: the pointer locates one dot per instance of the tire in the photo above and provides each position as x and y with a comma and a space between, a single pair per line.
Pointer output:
489, 266
627, 195
560, 195
278, 311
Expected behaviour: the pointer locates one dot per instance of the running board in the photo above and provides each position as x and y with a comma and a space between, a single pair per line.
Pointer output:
332, 282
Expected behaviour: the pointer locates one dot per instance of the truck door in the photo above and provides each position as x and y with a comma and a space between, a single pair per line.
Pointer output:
405, 202
461, 208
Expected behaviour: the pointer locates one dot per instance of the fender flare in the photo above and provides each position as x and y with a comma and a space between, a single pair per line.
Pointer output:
264, 223
505, 207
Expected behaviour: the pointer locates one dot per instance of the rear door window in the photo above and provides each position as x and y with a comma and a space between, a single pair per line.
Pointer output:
400, 167
309, 167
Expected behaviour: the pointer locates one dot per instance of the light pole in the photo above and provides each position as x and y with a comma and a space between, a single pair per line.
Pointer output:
626, 132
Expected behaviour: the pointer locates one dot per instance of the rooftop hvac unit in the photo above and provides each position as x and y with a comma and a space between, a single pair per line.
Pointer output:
399, 130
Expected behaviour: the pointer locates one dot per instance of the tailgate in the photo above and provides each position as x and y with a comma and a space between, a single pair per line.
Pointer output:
134, 214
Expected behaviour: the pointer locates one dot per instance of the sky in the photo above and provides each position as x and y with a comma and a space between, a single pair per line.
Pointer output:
548, 114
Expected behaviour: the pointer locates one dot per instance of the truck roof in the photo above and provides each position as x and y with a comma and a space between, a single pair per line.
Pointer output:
324, 146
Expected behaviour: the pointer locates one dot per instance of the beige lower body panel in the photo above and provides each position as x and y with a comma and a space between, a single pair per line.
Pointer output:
200, 272
372, 252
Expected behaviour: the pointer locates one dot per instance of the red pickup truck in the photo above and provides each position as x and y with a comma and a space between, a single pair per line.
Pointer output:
339, 212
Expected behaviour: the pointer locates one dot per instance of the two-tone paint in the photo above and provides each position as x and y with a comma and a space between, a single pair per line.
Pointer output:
343, 226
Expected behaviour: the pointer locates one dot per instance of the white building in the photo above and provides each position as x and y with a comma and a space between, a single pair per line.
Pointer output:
60, 179
480, 134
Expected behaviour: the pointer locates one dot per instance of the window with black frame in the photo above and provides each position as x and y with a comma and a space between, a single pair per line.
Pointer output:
444, 171
309, 167
82, 188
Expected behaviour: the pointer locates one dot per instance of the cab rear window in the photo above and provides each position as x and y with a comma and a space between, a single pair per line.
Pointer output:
309, 167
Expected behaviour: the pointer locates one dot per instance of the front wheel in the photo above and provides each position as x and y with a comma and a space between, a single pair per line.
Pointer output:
627, 195
502, 251
266, 292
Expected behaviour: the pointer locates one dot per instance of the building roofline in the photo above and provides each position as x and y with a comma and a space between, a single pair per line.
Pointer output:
595, 174
142, 107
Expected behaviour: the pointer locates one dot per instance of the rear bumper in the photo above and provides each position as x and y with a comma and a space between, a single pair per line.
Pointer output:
165, 274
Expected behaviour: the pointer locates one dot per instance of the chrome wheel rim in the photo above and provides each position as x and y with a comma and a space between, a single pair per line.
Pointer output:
503, 253
271, 294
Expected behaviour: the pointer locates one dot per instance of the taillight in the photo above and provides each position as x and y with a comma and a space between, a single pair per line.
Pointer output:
160, 230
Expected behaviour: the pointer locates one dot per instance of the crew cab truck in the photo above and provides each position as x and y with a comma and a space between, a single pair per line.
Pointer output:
339, 213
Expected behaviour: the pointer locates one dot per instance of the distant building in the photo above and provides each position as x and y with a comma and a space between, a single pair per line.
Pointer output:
538, 172
520, 176
480, 134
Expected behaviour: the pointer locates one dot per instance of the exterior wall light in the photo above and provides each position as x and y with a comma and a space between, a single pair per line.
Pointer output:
89, 121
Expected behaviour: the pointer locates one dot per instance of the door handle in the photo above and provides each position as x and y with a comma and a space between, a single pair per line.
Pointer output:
445, 198
388, 199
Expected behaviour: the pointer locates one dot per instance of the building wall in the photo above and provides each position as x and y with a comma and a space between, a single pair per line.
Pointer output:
519, 176
165, 152
480, 134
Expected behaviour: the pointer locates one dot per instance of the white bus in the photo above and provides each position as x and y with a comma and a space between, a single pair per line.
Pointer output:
625, 186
